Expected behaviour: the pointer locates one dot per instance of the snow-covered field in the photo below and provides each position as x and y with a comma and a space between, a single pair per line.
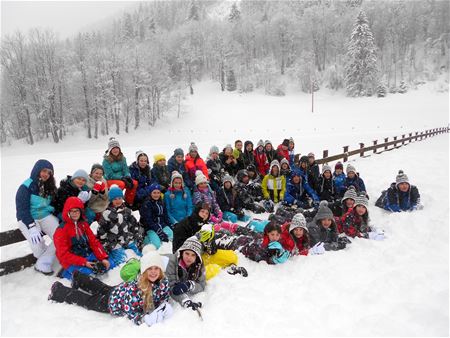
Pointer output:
396, 287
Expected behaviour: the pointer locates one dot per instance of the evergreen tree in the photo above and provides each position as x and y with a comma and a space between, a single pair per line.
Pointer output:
381, 90
402, 88
231, 81
193, 12
128, 31
235, 14
361, 68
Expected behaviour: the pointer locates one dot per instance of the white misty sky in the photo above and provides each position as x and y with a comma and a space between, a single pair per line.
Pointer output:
65, 17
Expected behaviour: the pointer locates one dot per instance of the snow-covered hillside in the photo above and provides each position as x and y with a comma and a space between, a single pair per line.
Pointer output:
396, 287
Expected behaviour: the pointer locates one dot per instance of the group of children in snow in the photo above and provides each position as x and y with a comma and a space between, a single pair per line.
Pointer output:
196, 205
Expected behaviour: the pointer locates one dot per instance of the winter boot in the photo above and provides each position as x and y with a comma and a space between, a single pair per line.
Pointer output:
57, 292
233, 270
88, 283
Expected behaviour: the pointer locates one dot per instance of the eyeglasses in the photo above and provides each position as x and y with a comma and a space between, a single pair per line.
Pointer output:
74, 211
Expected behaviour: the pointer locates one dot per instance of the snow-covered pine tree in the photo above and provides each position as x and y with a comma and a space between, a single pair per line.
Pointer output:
361, 67
381, 90
194, 12
235, 14
231, 81
402, 88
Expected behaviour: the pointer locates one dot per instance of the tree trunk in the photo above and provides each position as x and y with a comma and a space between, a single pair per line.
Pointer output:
136, 107
60, 117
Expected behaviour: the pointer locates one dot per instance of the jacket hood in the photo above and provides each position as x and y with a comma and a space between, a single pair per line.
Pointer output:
273, 164
71, 203
38, 166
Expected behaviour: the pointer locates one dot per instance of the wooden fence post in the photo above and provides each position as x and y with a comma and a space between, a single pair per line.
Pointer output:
345, 152
325, 154
386, 141
417, 135
395, 143
410, 135
361, 146
374, 144
403, 139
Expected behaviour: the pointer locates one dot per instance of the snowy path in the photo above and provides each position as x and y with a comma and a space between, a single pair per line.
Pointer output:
396, 287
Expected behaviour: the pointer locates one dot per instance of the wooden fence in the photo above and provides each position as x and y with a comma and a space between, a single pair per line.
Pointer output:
15, 236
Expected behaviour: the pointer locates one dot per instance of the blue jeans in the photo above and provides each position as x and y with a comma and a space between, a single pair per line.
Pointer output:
67, 273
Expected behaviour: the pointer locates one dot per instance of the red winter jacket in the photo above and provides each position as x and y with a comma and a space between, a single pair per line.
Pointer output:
192, 165
289, 244
261, 162
284, 153
353, 225
74, 242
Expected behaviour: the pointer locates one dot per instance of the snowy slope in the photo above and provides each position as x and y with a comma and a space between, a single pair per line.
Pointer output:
395, 287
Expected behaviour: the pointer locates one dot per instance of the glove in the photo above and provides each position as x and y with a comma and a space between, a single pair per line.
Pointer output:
162, 235
377, 236
206, 233
316, 204
275, 248
159, 314
214, 219
193, 305
182, 287
35, 233
317, 249
128, 182
99, 186
84, 196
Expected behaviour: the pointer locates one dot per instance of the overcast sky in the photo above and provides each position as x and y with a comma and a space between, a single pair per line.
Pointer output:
65, 17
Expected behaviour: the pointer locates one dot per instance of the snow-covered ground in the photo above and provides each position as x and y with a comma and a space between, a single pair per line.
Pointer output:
396, 287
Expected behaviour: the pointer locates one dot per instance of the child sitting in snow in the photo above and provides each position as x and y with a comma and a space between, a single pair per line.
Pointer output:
194, 162
160, 172
186, 273
291, 150
271, 153
339, 178
77, 248
229, 162
353, 179
261, 159
118, 229
140, 172
142, 301
248, 157
355, 222
323, 232
154, 218
117, 172
204, 194
215, 168
176, 163
285, 168
178, 199
98, 186
274, 184
230, 202
299, 193
249, 192
401, 196
294, 236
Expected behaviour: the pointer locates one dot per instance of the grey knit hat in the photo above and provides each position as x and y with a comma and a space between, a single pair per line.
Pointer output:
80, 173
193, 147
260, 143
113, 143
298, 221
401, 178
326, 167
178, 151
362, 200
228, 178
266, 142
214, 149
283, 160
324, 211
193, 244
350, 168
350, 193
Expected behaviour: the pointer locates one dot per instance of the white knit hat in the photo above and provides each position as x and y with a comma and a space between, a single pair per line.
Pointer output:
113, 143
139, 153
151, 258
228, 178
213, 149
350, 168
200, 178
298, 221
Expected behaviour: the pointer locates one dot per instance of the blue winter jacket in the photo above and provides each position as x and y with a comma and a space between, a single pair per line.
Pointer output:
356, 181
397, 201
29, 204
339, 182
296, 192
172, 165
153, 215
178, 204
143, 178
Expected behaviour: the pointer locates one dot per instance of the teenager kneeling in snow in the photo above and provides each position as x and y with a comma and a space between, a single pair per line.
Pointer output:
34, 213
294, 236
142, 300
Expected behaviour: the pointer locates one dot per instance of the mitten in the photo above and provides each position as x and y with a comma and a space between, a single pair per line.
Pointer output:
159, 314
182, 287
99, 186
206, 233
282, 257
84, 196
317, 249
274, 248
377, 236
162, 235
35, 233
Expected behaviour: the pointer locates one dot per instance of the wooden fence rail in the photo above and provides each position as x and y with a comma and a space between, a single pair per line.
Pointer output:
15, 236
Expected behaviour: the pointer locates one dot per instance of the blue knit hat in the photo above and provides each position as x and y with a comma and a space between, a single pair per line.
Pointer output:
115, 192
154, 186
80, 173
